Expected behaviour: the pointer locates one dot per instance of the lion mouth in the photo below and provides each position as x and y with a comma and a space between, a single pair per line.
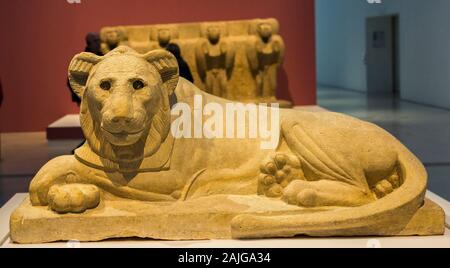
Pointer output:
123, 133
122, 137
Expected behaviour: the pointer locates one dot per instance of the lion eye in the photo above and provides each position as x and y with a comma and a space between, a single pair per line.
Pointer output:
138, 84
105, 85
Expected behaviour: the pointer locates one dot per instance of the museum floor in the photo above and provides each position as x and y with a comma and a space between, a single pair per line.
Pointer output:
425, 130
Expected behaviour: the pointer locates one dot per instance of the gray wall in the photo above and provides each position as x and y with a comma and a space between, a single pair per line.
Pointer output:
424, 46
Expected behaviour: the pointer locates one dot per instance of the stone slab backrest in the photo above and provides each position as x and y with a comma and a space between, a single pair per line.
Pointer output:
237, 33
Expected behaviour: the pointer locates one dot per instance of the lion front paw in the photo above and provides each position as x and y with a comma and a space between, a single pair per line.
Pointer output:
277, 172
73, 198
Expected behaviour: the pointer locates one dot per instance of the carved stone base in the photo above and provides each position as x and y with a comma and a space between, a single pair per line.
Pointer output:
203, 218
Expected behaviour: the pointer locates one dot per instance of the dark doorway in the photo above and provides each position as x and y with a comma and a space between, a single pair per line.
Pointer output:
382, 55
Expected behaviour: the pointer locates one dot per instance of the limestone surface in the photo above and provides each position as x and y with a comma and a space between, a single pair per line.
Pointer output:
213, 219
327, 175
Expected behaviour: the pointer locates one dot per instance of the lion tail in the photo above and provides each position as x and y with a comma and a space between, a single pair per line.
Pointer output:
386, 216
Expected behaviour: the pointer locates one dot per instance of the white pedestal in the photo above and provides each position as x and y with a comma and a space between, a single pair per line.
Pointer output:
384, 242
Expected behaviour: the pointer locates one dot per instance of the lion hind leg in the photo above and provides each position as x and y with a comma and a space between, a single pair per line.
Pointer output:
321, 180
282, 177
317, 163
325, 193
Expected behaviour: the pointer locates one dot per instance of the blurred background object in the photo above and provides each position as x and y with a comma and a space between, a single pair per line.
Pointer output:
185, 71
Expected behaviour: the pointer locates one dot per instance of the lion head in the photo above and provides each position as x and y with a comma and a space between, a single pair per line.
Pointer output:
125, 111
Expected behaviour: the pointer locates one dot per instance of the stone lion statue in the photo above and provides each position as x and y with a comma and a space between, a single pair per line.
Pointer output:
324, 161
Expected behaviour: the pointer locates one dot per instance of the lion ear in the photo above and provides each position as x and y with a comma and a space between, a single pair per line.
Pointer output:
79, 69
167, 66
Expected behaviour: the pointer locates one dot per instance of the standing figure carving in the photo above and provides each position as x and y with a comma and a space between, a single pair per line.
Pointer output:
161, 37
112, 37
265, 54
214, 59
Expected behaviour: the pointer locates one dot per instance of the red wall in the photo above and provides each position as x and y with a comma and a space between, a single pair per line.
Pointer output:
39, 37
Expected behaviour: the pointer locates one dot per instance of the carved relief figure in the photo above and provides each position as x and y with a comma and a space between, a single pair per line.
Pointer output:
112, 37
161, 37
265, 54
351, 177
215, 59
237, 60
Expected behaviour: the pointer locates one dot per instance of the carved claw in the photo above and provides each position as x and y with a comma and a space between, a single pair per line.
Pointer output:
277, 172
385, 187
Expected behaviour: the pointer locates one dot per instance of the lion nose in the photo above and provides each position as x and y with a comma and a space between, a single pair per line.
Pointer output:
121, 108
